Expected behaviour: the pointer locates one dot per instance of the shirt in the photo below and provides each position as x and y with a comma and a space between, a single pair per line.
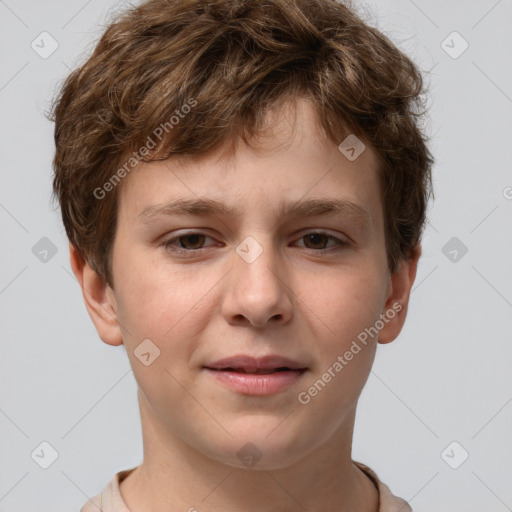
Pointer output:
110, 499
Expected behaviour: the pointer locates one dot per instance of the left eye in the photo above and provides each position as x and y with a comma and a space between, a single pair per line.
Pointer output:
191, 242
319, 238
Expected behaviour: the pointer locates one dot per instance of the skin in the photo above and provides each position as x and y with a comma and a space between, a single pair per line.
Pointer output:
295, 300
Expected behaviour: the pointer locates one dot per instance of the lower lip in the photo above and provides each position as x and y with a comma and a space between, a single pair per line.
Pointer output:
257, 384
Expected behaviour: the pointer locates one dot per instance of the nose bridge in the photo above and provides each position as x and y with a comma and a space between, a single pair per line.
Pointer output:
257, 264
258, 291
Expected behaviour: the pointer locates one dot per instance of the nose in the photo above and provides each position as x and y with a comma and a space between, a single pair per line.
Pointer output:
257, 290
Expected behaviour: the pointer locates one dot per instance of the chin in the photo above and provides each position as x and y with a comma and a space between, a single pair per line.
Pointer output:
259, 450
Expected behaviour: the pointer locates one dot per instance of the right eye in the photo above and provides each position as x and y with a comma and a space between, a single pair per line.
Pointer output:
188, 243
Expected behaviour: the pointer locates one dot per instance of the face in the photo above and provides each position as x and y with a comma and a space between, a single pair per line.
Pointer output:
273, 257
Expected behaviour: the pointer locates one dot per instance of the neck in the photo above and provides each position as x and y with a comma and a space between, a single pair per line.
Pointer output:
174, 477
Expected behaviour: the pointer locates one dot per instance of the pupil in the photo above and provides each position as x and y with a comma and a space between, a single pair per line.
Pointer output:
315, 238
195, 239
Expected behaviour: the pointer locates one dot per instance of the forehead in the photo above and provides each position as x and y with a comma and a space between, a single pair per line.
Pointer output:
291, 167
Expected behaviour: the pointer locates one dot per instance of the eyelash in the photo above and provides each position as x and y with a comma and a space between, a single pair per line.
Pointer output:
169, 244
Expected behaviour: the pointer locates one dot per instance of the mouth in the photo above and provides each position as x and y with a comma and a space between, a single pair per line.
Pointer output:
257, 371
260, 365
256, 376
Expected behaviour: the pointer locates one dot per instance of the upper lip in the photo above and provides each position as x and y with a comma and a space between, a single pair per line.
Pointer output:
245, 362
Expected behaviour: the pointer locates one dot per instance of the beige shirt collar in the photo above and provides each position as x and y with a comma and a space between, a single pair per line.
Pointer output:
110, 500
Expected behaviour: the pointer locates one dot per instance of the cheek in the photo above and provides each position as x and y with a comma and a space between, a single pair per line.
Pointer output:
171, 308
344, 310
153, 298
344, 303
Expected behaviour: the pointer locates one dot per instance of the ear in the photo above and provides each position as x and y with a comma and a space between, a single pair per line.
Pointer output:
98, 297
397, 301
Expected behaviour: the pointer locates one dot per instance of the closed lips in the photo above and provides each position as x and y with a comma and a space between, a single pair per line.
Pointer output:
260, 371
249, 364
256, 376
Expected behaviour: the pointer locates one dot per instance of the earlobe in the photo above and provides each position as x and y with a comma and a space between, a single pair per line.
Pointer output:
397, 301
98, 297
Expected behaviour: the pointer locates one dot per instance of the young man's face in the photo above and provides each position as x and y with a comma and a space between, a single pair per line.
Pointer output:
258, 282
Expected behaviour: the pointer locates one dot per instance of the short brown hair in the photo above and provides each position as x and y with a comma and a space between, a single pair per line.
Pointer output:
235, 59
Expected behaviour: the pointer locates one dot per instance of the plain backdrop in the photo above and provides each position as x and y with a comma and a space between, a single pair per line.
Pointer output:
435, 418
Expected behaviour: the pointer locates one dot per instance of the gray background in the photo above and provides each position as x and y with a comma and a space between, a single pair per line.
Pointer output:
448, 376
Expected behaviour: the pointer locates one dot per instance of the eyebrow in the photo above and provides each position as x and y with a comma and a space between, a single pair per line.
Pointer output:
206, 207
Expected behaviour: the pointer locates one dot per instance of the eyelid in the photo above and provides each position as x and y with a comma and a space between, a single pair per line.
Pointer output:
168, 244
342, 241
